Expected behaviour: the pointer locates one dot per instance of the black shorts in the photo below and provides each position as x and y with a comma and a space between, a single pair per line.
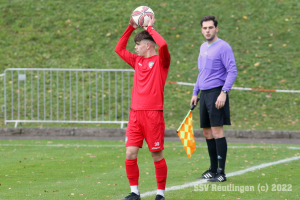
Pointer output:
209, 114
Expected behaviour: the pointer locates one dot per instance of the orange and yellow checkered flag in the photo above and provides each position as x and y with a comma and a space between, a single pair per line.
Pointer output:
186, 134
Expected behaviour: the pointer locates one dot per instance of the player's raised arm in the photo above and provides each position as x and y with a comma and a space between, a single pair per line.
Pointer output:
121, 46
163, 51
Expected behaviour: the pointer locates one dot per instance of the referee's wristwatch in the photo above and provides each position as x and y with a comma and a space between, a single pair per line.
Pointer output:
224, 91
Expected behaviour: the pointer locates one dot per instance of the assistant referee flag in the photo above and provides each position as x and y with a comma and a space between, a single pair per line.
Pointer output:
186, 134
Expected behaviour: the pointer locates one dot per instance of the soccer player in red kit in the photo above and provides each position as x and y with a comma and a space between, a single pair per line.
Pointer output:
146, 119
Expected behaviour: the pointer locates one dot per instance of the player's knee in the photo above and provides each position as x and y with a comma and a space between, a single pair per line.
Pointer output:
157, 156
131, 155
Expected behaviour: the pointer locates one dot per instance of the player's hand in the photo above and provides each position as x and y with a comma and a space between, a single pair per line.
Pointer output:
221, 100
150, 23
194, 100
132, 23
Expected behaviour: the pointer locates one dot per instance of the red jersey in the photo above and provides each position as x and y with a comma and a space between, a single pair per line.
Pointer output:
150, 73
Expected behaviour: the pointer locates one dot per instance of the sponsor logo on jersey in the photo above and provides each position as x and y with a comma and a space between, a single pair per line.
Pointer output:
151, 64
140, 64
155, 147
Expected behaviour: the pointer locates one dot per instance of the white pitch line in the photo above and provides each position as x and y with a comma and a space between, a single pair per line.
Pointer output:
59, 145
167, 146
293, 147
192, 184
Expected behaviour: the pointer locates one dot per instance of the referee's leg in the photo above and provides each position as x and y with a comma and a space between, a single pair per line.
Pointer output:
221, 144
212, 149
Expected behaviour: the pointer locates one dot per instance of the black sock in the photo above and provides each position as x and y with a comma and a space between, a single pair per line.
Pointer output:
212, 151
222, 152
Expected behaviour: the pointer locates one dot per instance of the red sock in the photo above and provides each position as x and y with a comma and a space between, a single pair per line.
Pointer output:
132, 171
161, 174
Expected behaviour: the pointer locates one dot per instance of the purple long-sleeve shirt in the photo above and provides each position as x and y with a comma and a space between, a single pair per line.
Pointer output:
216, 66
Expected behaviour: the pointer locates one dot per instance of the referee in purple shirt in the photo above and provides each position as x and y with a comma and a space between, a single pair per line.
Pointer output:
217, 73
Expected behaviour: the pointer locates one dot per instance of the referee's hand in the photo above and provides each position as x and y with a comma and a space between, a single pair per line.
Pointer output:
194, 100
220, 100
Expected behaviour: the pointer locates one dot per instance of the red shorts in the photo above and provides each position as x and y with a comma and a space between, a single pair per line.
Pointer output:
148, 125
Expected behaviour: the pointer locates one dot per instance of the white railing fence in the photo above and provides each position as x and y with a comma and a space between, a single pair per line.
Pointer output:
67, 95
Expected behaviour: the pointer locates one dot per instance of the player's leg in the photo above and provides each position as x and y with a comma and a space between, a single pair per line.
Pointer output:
134, 141
154, 130
161, 171
132, 169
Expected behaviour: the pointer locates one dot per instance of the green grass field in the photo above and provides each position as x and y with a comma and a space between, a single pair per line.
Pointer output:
83, 34
84, 169
77, 34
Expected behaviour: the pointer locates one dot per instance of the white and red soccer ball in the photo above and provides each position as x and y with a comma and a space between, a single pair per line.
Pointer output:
141, 16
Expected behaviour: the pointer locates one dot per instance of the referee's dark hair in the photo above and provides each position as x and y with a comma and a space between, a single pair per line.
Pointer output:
209, 18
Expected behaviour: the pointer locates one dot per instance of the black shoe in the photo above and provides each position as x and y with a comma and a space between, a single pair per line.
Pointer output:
220, 177
207, 175
159, 197
132, 196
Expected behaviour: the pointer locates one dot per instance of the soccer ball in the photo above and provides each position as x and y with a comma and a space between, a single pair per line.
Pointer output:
141, 15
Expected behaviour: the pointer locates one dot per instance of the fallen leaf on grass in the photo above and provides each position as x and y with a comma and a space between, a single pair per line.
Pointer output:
257, 64
269, 95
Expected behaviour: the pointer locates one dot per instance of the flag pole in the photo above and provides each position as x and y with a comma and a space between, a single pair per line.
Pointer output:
192, 108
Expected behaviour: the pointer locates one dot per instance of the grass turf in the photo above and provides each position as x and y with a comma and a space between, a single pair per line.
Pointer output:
77, 34
83, 169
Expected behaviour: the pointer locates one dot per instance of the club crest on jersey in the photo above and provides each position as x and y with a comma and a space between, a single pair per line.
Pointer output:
151, 64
